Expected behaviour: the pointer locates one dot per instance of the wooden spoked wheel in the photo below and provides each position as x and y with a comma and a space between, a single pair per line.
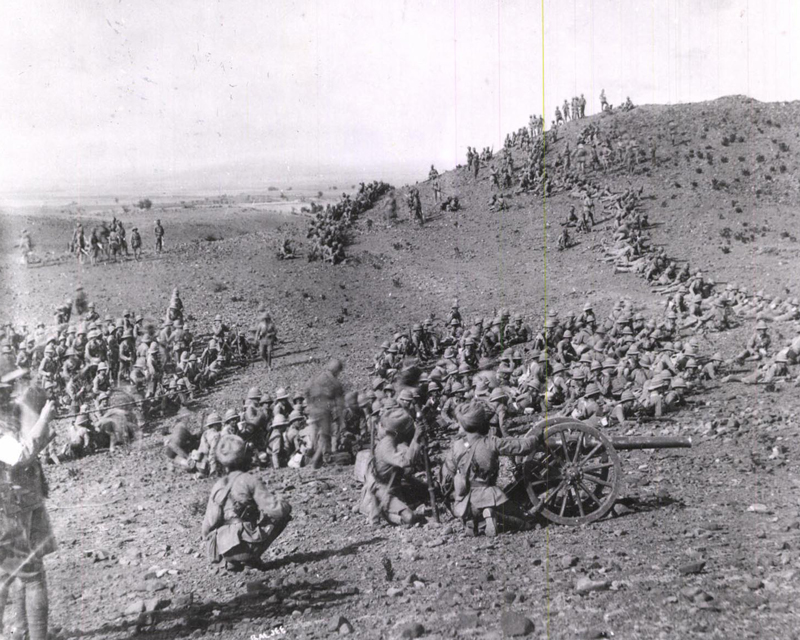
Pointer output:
574, 478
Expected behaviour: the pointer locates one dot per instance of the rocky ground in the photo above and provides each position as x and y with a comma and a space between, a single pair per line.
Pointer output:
703, 543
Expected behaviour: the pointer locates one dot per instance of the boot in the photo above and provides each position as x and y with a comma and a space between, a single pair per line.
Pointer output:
490, 523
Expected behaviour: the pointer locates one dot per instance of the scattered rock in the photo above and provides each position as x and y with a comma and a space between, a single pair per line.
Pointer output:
134, 608
467, 620
692, 568
621, 510
586, 585
758, 508
412, 630
754, 584
183, 601
257, 586
568, 561
594, 634
394, 592
515, 624
156, 604
341, 625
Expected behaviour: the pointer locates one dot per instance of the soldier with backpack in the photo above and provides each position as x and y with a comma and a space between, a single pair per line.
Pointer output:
243, 517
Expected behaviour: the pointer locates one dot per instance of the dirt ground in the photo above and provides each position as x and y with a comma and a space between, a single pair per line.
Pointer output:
128, 526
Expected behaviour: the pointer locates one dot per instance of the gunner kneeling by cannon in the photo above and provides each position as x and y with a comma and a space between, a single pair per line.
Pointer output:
472, 467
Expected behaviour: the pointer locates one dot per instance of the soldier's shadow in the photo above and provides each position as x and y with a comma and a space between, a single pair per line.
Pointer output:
324, 554
272, 605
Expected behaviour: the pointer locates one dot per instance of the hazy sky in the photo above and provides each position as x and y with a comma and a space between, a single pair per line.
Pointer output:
187, 93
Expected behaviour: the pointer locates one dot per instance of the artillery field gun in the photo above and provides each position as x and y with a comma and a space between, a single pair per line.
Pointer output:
575, 478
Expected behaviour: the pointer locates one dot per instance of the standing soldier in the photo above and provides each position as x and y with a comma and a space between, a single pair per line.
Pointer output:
27, 536
325, 398
123, 243
266, 337
79, 243
136, 243
159, 231
603, 101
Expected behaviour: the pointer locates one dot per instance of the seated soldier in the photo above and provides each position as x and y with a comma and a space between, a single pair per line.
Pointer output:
206, 463
243, 518
473, 464
391, 487
179, 445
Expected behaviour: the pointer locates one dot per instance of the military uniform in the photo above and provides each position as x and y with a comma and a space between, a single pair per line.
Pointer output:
243, 518
26, 536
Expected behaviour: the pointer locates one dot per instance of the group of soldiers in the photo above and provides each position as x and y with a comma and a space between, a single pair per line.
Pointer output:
92, 367
110, 241
571, 110
476, 158
328, 230
449, 203
279, 431
489, 375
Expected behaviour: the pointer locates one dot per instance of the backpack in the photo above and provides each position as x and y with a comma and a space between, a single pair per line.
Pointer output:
461, 483
216, 515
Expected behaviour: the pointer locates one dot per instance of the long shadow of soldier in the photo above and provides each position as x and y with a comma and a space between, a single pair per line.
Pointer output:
265, 600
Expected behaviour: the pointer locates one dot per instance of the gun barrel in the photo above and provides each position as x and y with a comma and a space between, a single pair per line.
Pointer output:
662, 442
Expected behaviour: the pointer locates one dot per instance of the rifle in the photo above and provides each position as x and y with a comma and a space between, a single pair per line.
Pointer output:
427, 460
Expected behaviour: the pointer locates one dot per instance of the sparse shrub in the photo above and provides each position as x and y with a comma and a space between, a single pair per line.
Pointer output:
210, 237
782, 168
768, 178
698, 170
677, 185
725, 248
724, 159
741, 158
745, 172
738, 209
664, 204
699, 154
726, 233
694, 184
725, 142
218, 287
397, 283
760, 158
783, 147
144, 204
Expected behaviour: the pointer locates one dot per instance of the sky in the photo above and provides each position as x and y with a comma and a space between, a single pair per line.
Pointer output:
180, 95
